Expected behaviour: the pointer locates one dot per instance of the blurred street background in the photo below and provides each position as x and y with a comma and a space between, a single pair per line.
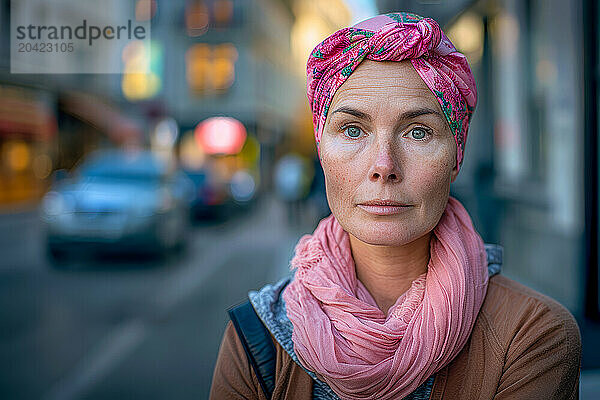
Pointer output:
135, 208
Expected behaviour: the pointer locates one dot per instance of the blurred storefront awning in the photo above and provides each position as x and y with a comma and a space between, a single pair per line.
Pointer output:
106, 118
26, 113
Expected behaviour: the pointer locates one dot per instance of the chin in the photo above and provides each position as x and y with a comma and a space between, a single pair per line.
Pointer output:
383, 232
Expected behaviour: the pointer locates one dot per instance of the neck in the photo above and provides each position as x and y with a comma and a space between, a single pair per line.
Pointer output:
388, 271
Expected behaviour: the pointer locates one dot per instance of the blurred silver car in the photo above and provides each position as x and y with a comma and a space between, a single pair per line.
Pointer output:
118, 201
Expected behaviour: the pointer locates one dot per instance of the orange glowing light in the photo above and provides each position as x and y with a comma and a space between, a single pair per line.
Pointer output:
223, 11
196, 19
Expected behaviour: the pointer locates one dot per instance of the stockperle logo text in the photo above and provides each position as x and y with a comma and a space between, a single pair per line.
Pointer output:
84, 31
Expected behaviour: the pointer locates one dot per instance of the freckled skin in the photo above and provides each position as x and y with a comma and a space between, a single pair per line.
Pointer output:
387, 161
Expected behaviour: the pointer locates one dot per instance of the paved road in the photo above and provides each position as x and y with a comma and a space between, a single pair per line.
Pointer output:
129, 328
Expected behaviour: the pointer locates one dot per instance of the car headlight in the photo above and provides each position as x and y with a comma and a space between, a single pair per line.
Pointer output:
55, 204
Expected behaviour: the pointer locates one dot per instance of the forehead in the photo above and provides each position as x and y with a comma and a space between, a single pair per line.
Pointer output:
393, 84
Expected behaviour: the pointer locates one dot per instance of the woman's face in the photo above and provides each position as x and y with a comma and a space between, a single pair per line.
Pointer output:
386, 138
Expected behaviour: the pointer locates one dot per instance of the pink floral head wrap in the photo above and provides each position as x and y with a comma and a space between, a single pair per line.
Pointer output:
395, 37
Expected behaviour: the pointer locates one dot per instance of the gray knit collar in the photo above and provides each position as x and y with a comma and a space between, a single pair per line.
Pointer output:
270, 307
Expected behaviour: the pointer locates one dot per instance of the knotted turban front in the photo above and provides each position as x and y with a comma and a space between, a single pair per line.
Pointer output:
395, 37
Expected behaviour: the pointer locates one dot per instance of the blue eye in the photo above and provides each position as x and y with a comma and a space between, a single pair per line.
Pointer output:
418, 133
352, 131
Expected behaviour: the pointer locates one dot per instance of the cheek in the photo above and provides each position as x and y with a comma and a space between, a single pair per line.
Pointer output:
341, 179
337, 183
433, 175
432, 178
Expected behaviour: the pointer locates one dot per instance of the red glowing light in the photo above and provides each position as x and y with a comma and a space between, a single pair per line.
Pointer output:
220, 135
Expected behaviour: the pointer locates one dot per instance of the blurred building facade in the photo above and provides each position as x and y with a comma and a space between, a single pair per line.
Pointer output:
523, 178
206, 58
232, 58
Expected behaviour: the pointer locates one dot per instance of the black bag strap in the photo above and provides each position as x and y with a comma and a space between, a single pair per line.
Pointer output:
257, 343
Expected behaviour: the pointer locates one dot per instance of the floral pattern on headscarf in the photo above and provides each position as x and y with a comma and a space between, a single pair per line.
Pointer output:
395, 37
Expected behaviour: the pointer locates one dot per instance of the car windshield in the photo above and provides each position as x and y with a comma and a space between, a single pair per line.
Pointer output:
124, 166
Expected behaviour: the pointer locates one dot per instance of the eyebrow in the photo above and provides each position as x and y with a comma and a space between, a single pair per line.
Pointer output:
352, 111
417, 112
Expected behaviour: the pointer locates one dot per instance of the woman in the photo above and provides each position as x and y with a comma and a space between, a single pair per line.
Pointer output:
394, 294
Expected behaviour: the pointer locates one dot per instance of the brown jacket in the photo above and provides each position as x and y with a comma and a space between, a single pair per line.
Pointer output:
524, 345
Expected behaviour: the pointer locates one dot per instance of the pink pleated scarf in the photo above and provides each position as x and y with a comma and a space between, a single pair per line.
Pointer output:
341, 335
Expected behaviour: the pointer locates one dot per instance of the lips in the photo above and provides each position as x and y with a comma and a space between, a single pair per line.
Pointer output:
383, 202
383, 207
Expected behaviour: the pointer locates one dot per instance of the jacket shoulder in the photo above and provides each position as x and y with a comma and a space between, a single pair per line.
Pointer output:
518, 315
524, 345
507, 298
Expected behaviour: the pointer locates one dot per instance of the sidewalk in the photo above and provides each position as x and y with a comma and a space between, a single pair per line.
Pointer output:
21, 238
288, 234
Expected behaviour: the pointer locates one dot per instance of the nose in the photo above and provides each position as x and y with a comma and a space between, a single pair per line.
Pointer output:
385, 168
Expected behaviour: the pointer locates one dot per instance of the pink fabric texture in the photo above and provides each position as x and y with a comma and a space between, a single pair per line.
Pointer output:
341, 335
395, 37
